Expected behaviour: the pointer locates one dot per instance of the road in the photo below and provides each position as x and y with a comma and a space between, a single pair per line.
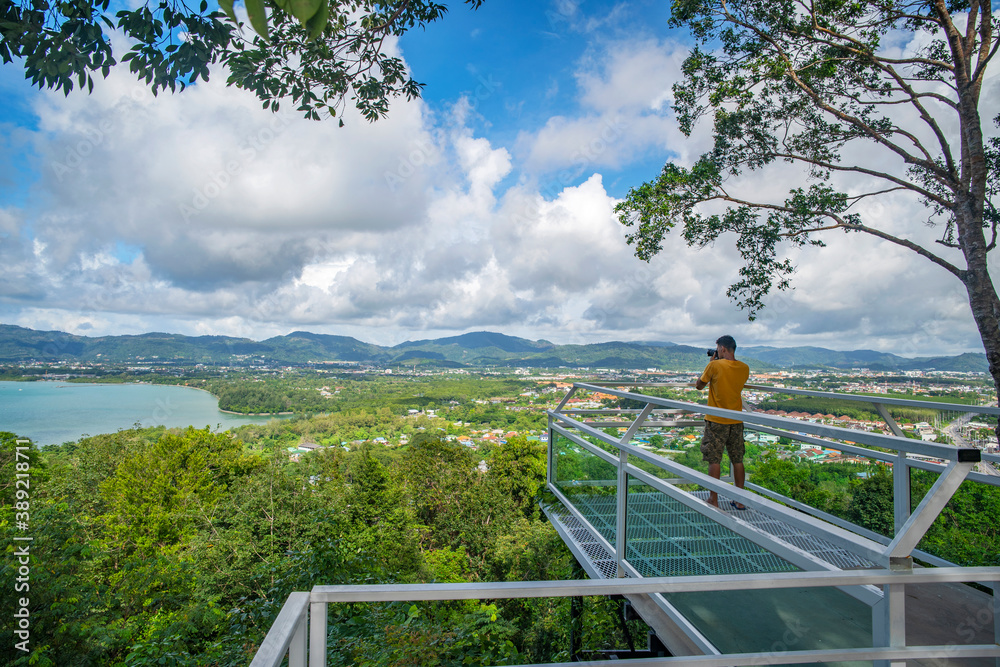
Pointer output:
954, 432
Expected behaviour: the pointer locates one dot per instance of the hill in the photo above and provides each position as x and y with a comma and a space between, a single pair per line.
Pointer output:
820, 358
477, 349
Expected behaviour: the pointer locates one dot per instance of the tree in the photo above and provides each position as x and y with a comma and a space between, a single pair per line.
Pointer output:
810, 83
380, 518
158, 496
315, 52
871, 502
517, 466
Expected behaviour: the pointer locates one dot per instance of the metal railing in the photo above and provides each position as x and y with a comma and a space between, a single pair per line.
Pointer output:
310, 609
819, 435
300, 631
614, 466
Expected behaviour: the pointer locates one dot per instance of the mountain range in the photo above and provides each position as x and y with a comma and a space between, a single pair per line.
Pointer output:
477, 350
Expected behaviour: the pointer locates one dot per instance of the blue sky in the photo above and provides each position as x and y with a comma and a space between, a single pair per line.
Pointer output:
486, 205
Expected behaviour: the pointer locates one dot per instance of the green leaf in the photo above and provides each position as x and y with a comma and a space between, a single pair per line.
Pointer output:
316, 24
304, 10
258, 17
227, 7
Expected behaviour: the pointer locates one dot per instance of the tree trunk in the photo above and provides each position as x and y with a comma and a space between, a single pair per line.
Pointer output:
986, 312
972, 192
982, 295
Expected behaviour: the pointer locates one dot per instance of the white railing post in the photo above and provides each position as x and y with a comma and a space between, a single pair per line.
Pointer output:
892, 630
550, 471
622, 491
900, 492
287, 635
317, 634
996, 615
299, 646
900, 475
620, 511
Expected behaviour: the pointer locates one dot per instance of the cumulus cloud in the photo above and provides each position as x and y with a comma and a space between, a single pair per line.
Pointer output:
200, 213
624, 97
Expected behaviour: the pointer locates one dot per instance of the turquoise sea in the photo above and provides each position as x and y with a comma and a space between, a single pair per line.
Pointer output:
51, 413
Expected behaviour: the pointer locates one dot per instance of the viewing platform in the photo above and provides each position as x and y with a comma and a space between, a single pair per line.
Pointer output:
777, 583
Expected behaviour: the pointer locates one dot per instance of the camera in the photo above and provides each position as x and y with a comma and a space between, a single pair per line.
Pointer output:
711, 353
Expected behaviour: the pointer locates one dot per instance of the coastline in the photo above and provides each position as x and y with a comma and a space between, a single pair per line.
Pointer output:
163, 384
52, 412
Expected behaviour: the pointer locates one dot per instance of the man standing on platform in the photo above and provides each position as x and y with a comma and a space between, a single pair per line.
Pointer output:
724, 376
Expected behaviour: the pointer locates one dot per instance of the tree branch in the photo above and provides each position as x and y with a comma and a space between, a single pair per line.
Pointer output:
954, 38
910, 245
986, 54
395, 15
885, 65
850, 119
907, 185
857, 198
841, 223
934, 96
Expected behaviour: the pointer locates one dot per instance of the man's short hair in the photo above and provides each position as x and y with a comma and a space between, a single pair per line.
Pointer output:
727, 342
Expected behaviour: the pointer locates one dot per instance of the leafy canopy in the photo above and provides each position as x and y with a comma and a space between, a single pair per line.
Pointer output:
817, 84
317, 53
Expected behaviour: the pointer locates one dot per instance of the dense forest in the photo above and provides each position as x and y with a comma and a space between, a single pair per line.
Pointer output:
178, 547
313, 393
155, 547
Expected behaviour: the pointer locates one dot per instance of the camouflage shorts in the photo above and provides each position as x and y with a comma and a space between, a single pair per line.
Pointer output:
719, 437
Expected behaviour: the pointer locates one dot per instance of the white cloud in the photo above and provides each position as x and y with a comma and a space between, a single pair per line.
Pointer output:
242, 222
624, 94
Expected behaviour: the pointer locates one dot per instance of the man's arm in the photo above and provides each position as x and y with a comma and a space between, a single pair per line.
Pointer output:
702, 382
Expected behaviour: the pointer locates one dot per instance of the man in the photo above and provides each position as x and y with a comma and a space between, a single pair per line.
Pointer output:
724, 376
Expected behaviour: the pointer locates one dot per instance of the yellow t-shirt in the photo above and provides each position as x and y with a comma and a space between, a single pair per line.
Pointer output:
725, 379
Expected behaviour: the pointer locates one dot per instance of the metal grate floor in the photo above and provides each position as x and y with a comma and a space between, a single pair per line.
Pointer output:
665, 538
817, 546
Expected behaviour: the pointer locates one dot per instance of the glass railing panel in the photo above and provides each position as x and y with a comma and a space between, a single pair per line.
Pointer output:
589, 482
967, 532
612, 432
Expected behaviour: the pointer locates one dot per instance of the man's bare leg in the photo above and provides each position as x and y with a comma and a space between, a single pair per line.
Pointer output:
739, 476
714, 470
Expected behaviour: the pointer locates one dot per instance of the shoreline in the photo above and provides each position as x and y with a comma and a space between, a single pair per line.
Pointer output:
109, 407
254, 414
163, 384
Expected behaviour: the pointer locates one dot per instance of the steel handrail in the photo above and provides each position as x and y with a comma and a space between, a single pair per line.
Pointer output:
321, 596
893, 442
